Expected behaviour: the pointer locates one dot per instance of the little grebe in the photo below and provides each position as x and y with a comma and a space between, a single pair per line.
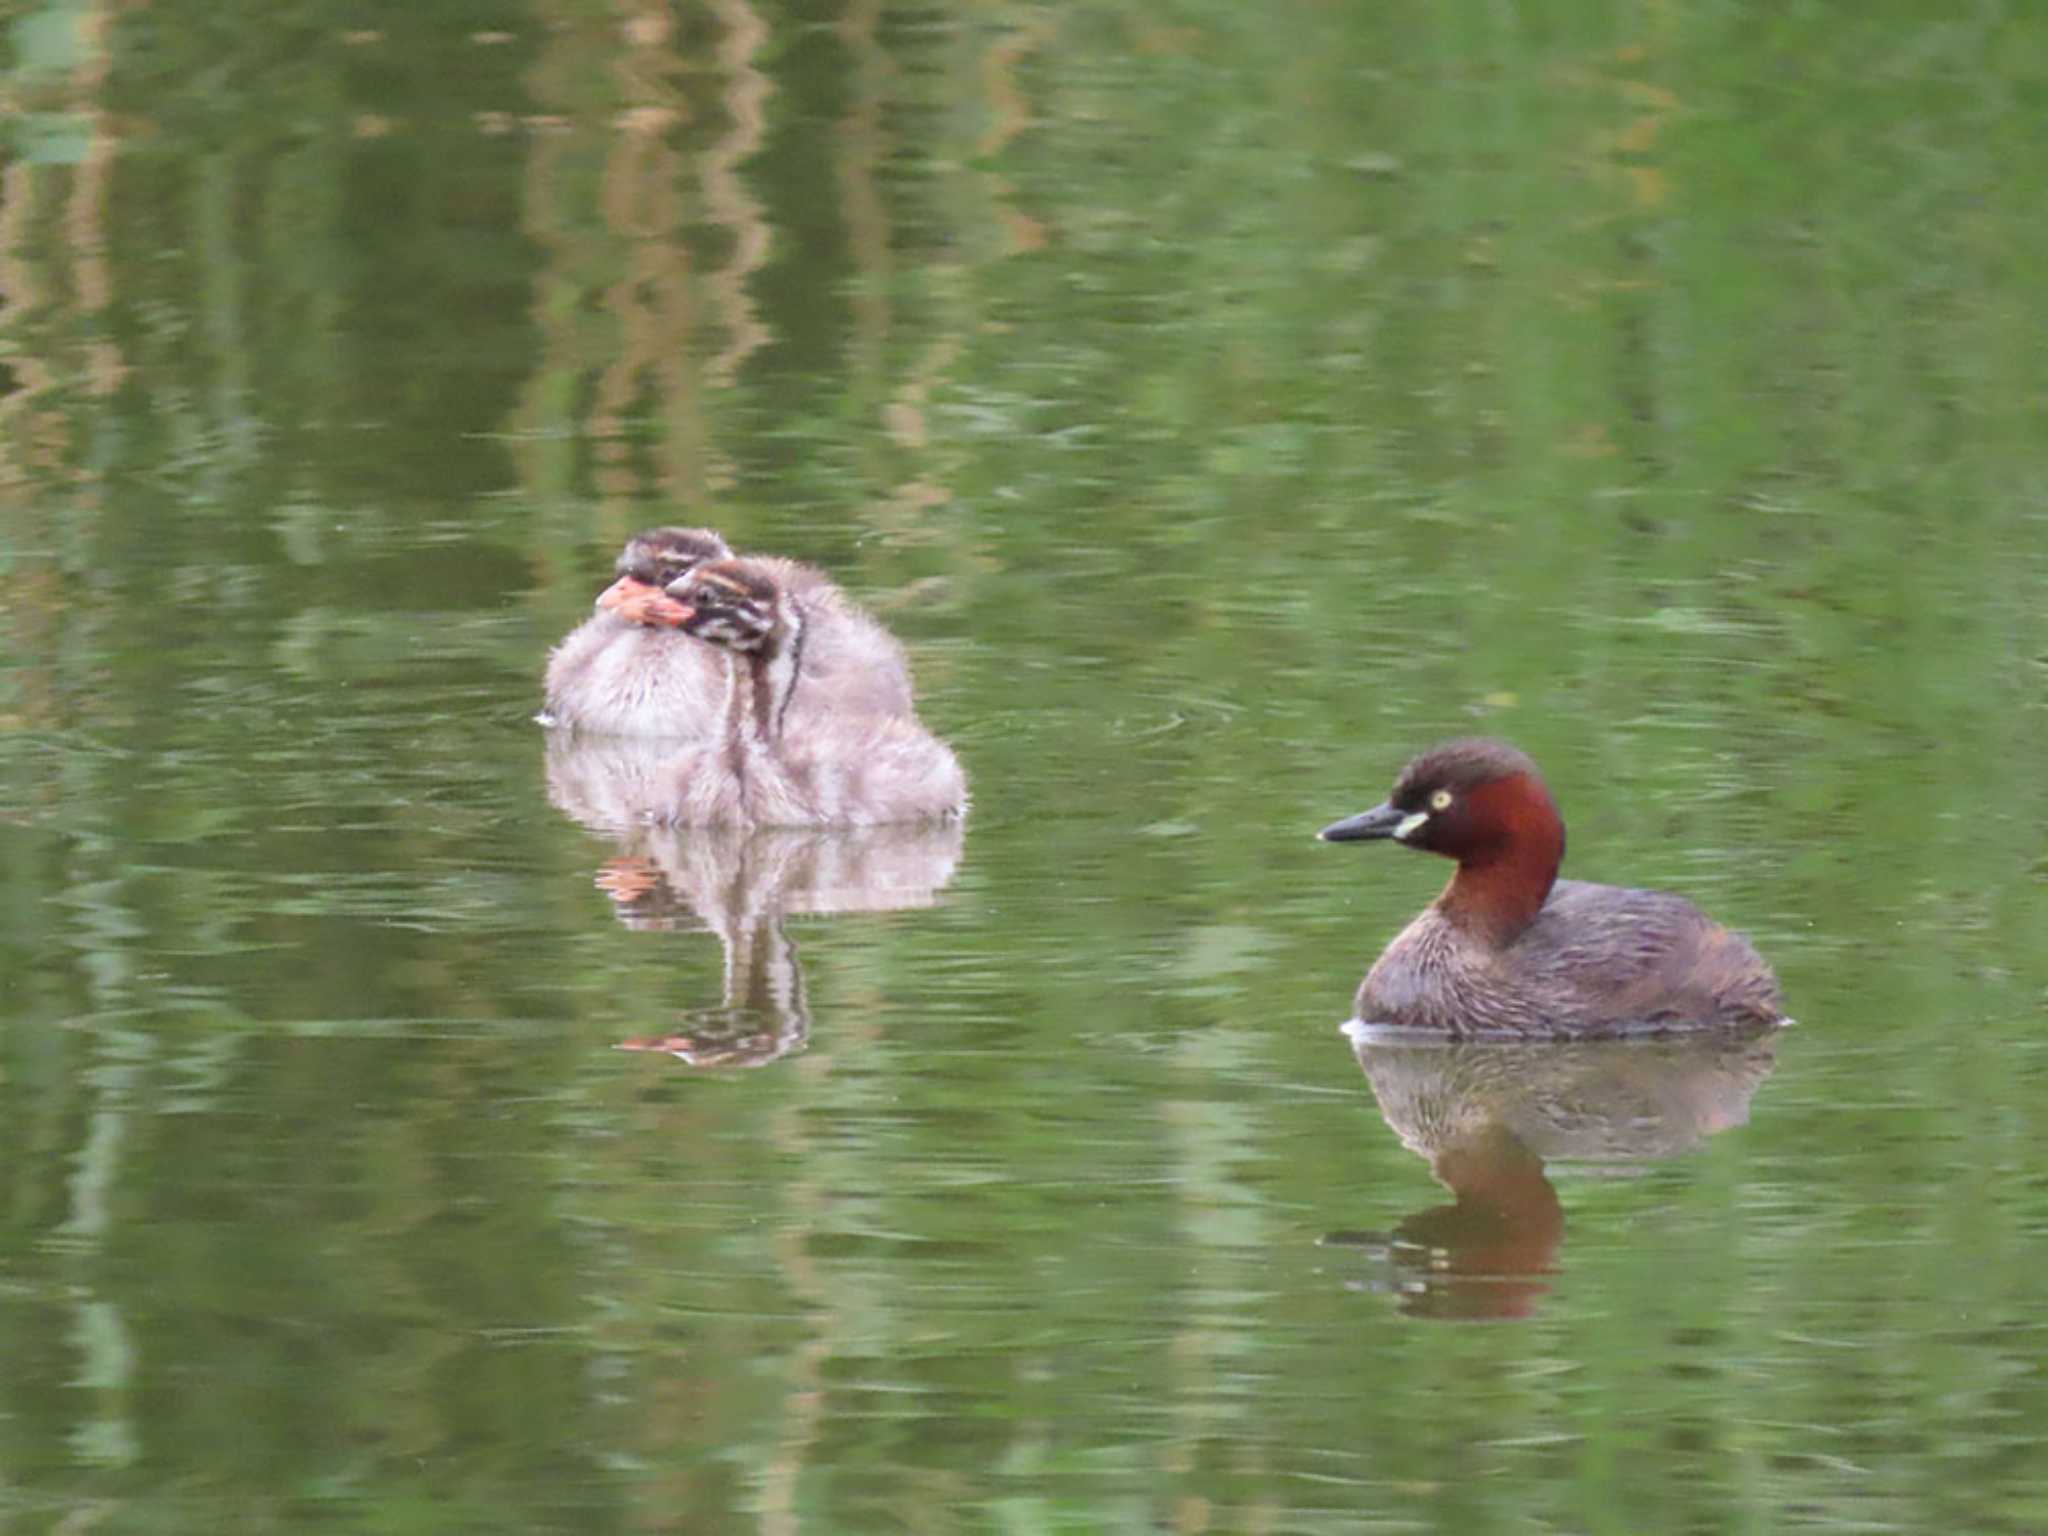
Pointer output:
619, 674
625, 671
767, 767
1508, 949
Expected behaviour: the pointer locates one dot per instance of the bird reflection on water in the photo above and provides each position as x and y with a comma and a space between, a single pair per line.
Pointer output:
741, 885
1494, 1119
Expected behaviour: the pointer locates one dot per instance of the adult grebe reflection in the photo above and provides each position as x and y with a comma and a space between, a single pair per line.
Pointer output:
740, 885
1490, 1118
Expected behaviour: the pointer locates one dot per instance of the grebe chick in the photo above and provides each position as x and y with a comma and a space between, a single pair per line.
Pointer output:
620, 674
774, 765
626, 672
851, 664
1508, 949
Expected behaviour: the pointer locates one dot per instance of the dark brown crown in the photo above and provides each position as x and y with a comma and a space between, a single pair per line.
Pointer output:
1459, 766
658, 556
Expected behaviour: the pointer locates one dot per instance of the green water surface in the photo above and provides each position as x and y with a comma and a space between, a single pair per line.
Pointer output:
1222, 402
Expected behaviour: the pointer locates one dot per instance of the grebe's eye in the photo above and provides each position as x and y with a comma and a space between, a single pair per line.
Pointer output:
1440, 801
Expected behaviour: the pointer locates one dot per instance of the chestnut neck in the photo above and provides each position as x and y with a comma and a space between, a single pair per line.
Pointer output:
1509, 861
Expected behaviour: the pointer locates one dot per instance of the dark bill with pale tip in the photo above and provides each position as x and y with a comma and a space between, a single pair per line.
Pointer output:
1380, 821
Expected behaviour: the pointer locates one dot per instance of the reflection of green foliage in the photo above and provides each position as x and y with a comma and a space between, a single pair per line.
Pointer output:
1385, 372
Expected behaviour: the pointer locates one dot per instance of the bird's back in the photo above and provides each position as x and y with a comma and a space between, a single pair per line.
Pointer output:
1597, 960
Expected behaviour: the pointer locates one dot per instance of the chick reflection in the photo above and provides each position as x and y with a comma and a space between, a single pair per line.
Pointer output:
739, 885
1488, 1117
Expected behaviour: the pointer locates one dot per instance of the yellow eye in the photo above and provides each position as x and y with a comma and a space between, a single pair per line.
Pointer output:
1440, 801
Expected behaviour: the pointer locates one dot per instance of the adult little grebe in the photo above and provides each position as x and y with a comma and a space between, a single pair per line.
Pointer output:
626, 672
1509, 949
767, 768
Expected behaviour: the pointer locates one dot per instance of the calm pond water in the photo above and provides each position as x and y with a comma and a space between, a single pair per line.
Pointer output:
1222, 402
